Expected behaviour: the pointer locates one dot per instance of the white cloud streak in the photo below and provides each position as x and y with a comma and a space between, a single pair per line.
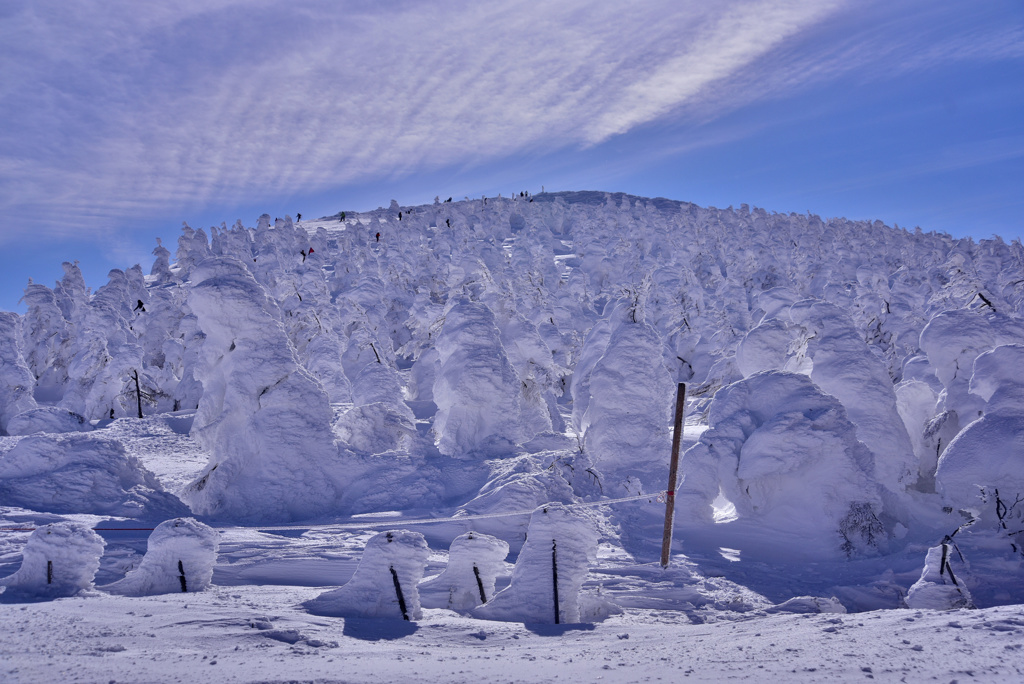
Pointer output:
116, 109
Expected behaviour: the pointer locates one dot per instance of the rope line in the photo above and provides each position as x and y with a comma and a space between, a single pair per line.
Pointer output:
389, 522
398, 522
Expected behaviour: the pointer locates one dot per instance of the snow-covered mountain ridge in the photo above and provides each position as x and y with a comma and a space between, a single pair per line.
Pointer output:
855, 390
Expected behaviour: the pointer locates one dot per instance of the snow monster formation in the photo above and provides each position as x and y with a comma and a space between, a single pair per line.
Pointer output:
385, 584
787, 457
180, 555
263, 418
60, 559
851, 387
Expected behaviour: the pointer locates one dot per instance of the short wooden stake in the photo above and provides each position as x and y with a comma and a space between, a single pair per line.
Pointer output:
479, 584
181, 577
673, 473
554, 576
401, 597
49, 572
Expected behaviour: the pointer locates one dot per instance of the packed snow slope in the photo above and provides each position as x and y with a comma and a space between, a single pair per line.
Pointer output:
854, 434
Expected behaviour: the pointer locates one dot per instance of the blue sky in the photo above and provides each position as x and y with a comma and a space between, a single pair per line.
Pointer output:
119, 119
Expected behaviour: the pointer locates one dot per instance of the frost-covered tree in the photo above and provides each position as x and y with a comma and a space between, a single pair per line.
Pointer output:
16, 380
786, 456
264, 420
482, 407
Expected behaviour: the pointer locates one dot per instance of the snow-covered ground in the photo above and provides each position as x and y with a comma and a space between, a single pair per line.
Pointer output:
258, 634
458, 412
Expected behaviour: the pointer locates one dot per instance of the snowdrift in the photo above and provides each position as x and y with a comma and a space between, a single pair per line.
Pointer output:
81, 474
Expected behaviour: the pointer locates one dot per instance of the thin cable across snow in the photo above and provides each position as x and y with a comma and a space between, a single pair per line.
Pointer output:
398, 522
389, 522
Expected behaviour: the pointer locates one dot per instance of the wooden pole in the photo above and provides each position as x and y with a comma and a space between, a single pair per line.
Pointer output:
554, 577
673, 473
138, 392
479, 584
401, 596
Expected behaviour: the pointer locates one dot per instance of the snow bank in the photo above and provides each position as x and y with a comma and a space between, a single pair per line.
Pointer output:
808, 604
81, 474
60, 559
474, 562
391, 560
561, 545
940, 587
51, 419
786, 456
180, 556
263, 418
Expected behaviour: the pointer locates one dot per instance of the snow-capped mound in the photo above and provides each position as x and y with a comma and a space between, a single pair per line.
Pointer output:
940, 588
808, 604
60, 559
180, 556
385, 583
474, 561
81, 474
786, 456
819, 339
50, 419
560, 547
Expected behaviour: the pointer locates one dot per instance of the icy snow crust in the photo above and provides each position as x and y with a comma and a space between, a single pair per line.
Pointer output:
854, 413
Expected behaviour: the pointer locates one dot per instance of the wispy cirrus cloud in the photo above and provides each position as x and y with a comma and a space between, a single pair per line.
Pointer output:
115, 109
112, 109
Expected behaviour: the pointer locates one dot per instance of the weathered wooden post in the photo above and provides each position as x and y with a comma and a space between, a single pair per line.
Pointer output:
673, 472
181, 578
401, 596
554, 577
479, 584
